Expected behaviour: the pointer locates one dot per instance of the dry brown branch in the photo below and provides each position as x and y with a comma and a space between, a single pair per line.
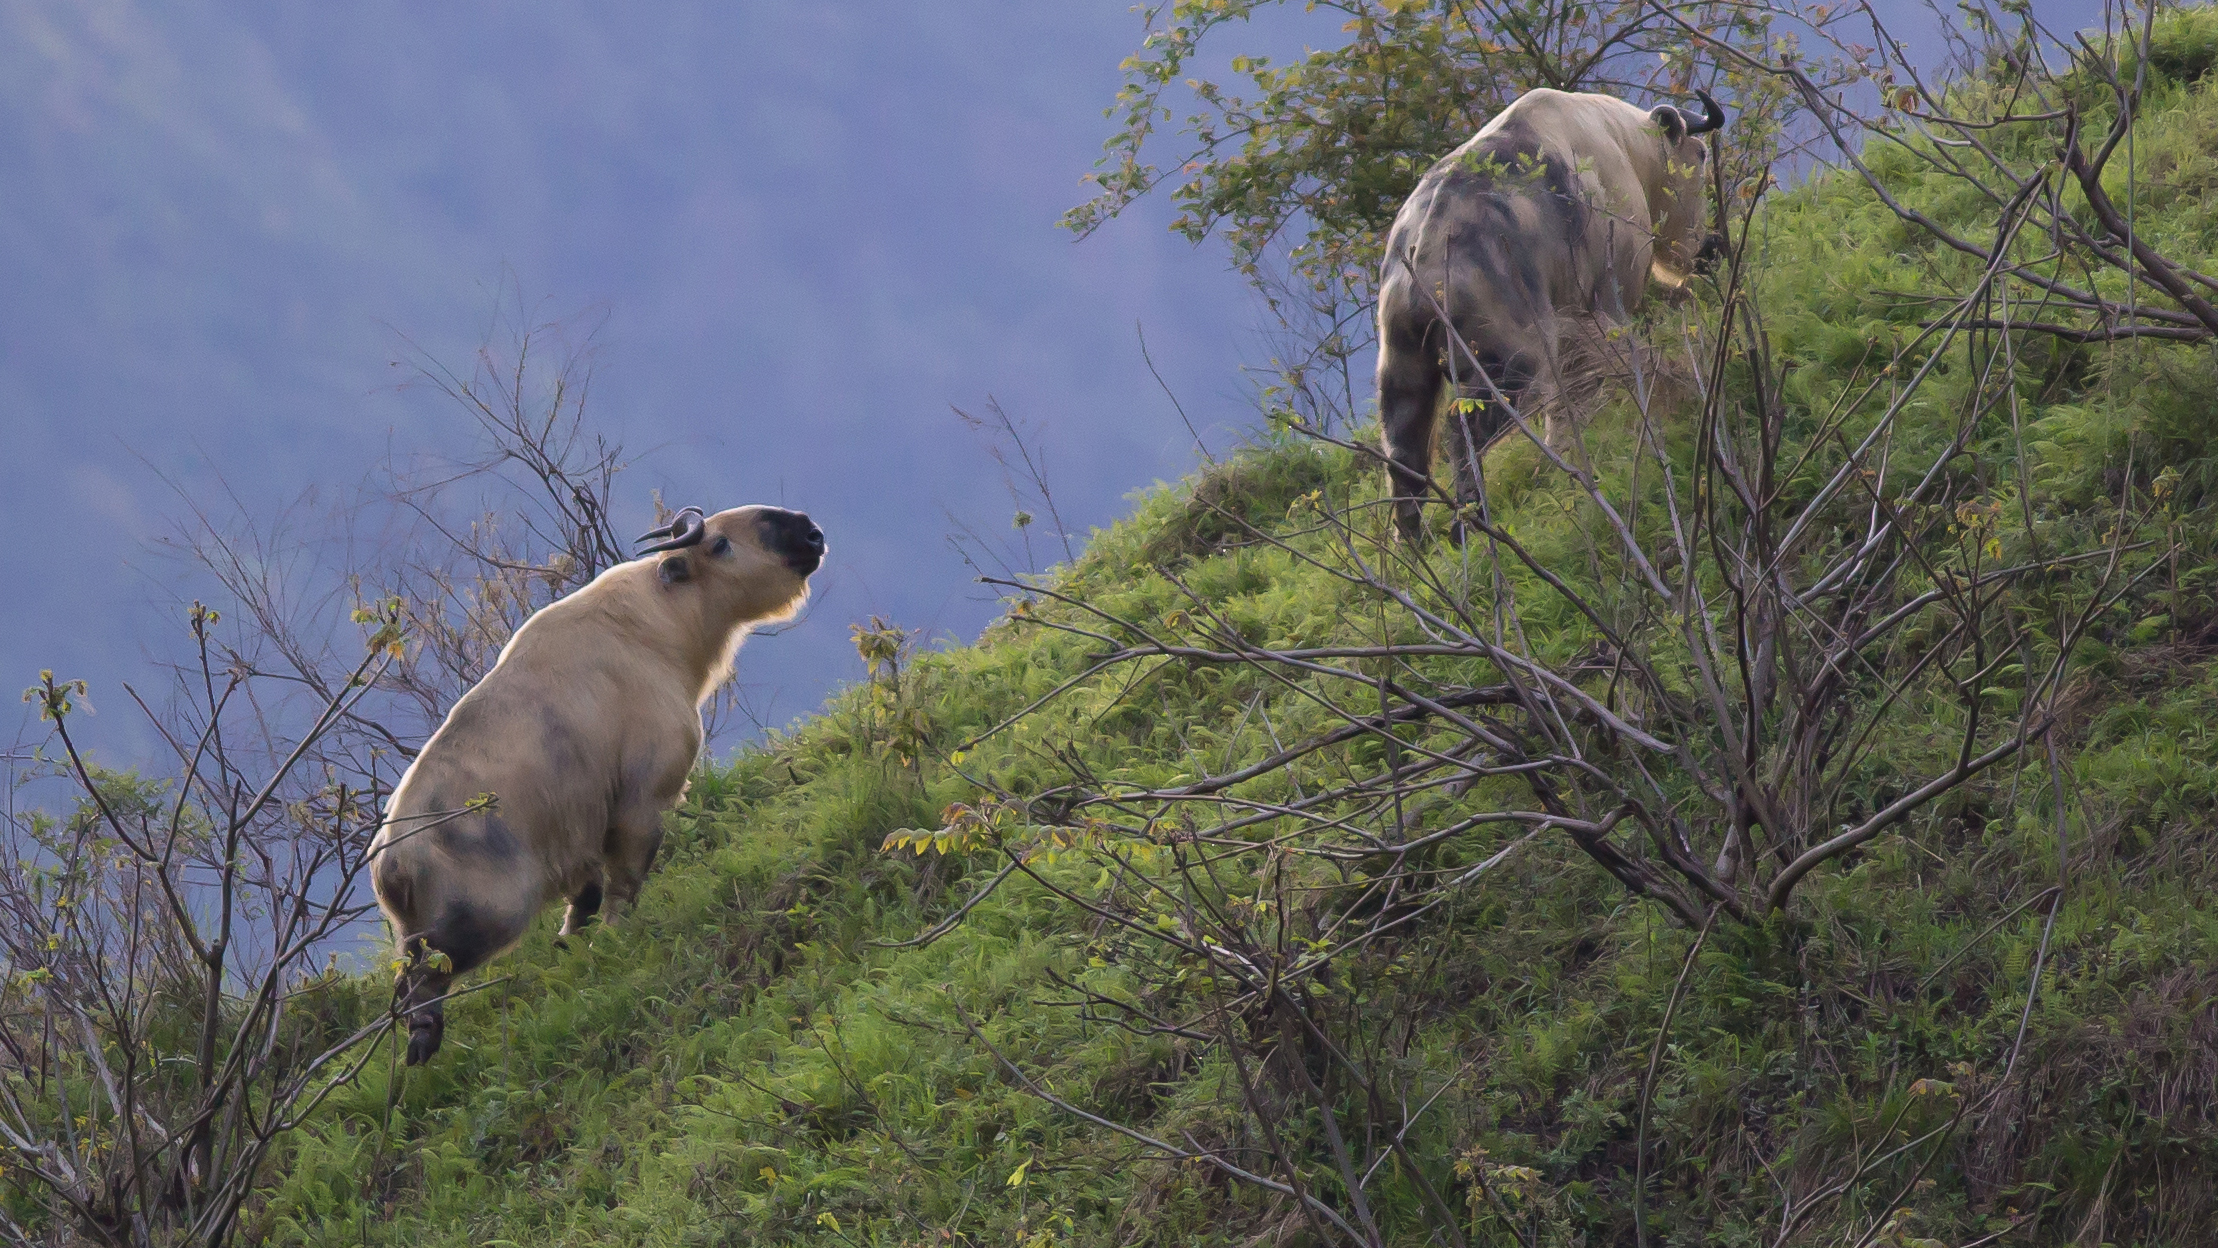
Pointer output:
174, 1007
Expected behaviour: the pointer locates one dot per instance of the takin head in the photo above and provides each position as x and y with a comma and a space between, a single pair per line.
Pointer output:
721, 575
749, 563
1679, 206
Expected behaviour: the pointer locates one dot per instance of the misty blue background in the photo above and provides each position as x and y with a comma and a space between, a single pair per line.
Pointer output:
811, 227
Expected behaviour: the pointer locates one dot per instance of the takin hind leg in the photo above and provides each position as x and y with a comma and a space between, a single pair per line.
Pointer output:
419, 997
630, 853
583, 906
464, 938
1478, 416
1409, 390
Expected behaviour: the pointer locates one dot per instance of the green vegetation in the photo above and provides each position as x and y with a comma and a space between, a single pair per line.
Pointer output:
931, 968
753, 1058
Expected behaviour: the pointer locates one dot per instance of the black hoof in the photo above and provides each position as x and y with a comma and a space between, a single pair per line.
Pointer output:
423, 1041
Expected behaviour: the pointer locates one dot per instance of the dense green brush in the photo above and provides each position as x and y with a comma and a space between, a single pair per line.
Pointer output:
745, 1062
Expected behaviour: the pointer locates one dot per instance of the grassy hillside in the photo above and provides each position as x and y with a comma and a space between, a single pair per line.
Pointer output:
753, 1058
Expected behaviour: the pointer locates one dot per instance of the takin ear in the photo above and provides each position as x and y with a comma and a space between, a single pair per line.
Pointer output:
1671, 121
675, 570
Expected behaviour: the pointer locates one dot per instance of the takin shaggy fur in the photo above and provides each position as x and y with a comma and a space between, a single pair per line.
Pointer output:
1557, 212
584, 733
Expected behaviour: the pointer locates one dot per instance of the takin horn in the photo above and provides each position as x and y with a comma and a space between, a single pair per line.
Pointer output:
684, 529
1713, 116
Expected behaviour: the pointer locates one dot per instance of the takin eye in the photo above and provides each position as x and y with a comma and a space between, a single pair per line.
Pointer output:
721, 546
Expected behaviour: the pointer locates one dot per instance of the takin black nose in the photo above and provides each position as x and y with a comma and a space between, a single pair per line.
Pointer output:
793, 535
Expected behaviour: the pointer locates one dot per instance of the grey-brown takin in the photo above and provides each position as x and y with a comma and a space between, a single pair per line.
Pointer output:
584, 733
1561, 207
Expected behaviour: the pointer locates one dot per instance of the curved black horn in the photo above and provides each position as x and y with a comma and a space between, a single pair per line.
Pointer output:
676, 519
684, 529
1713, 116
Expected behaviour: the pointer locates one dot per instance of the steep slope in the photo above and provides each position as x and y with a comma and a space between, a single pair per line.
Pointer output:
755, 1058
